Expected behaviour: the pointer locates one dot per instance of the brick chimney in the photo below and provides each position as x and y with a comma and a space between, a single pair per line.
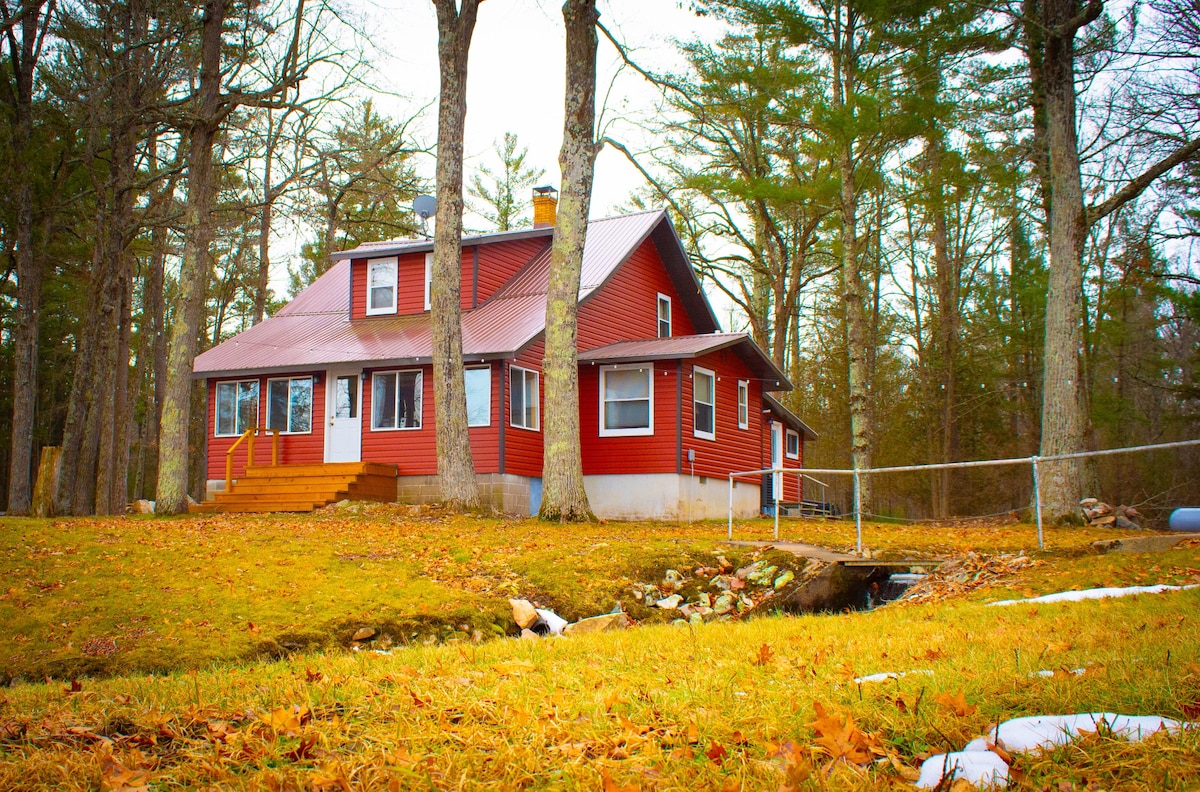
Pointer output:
545, 206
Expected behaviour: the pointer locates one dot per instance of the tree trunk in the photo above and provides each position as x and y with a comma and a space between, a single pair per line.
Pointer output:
563, 495
1062, 407
456, 466
29, 271
947, 322
857, 331
262, 283
193, 275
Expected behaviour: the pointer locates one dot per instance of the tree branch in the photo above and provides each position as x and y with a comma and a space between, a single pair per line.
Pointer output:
1134, 188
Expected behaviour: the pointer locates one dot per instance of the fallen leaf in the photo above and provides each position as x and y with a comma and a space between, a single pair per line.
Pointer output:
956, 703
611, 786
717, 753
763, 655
841, 739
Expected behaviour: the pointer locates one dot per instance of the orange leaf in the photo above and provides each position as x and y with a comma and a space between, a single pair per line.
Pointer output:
611, 786
693, 733
956, 703
841, 739
717, 753
763, 655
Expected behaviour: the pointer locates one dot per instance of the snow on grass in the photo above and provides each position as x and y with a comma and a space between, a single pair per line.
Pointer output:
1096, 593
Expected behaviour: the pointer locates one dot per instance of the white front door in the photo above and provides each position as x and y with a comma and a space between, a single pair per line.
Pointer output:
776, 460
343, 419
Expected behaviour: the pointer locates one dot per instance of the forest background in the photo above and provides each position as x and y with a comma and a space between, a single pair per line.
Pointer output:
869, 185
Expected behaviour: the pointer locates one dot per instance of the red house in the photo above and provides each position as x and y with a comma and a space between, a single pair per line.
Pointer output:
669, 405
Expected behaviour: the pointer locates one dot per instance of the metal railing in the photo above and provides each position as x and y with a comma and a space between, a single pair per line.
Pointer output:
857, 473
248, 438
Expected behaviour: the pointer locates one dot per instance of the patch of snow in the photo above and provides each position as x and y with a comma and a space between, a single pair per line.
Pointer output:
1096, 593
553, 621
980, 768
886, 675
1039, 732
1045, 672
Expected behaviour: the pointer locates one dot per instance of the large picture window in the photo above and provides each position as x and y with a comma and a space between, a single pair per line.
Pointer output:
626, 401
289, 404
743, 404
381, 286
479, 396
396, 400
704, 403
237, 407
523, 403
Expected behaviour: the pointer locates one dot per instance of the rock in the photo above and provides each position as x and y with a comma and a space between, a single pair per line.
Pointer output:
723, 562
363, 634
686, 611
673, 580
696, 619
669, 603
1088, 503
762, 576
343, 503
142, 507
784, 579
529, 635
721, 582
725, 603
524, 614
703, 599
609, 621
1121, 522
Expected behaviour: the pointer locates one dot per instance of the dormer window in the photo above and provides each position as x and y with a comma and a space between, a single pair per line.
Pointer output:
381, 286
664, 316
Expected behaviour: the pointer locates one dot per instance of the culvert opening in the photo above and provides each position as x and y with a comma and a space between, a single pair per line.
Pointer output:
839, 588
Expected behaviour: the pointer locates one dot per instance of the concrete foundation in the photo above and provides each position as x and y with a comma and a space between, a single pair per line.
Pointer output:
669, 496
500, 491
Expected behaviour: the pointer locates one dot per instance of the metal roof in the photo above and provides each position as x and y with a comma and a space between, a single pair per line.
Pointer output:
788, 417
692, 346
314, 329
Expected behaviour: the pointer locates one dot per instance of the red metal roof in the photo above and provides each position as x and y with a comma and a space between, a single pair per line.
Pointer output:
315, 329
692, 346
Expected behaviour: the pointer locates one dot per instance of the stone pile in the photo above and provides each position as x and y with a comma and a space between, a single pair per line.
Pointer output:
718, 592
538, 622
1098, 513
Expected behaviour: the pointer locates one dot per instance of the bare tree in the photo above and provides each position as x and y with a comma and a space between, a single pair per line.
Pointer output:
563, 495
456, 466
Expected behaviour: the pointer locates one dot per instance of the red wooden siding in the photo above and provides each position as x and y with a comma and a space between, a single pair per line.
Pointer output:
627, 306
410, 298
294, 449
413, 450
523, 447
791, 482
497, 264
485, 440
638, 454
734, 448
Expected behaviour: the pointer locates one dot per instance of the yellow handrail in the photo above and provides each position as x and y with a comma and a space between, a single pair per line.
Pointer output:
248, 437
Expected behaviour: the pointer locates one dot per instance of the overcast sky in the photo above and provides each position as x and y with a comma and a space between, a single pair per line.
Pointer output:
515, 76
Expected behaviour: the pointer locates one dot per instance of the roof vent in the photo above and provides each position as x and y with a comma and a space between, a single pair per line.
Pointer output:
545, 206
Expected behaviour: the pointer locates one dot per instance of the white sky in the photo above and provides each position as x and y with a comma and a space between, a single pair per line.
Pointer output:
515, 77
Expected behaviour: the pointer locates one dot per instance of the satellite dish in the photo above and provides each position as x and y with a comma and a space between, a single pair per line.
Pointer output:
424, 206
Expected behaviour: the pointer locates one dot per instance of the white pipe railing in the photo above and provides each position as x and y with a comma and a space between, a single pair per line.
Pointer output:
1033, 462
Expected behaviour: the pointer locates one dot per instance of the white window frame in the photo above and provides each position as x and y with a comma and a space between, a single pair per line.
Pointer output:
217, 407
743, 406
311, 396
637, 431
663, 299
787, 443
698, 372
371, 265
515, 372
428, 280
419, 398
487, 421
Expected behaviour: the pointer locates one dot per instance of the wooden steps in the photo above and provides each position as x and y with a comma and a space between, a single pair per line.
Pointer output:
302, 488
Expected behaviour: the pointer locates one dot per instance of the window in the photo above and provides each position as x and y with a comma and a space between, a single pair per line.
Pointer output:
704, 402
381, 286
523, 401
396, 400
664, 316
793, 445
479, 396
428, 279
289, 404
743, 404
237, 407
345, 396
626, 401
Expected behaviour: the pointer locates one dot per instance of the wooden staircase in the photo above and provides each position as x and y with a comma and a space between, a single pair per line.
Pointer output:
302, 488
